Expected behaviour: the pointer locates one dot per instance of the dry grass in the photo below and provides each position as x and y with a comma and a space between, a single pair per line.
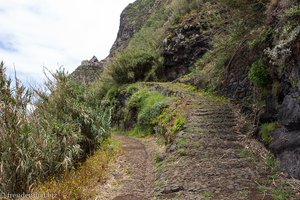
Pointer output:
79, 183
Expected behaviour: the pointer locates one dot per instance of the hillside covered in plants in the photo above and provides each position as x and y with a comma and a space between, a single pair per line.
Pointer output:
214, 83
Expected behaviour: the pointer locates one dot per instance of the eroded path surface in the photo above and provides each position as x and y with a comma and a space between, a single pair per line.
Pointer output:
213, 158
133, 174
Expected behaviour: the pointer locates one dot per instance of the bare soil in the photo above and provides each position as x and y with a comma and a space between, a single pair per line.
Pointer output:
132, 176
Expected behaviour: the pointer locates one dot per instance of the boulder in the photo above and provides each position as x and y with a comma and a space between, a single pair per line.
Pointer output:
289, 113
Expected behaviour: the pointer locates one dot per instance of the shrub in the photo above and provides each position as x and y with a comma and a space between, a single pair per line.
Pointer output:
147, 105
260, 35
17, 146
279, 53
266, 130
246, 5
72, 103
258, 74
65, 125
141, 59
131, 66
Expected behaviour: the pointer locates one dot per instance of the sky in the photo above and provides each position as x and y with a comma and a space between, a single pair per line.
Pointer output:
52, 33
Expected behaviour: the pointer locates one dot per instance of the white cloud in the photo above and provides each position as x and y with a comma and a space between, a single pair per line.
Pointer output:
51, 33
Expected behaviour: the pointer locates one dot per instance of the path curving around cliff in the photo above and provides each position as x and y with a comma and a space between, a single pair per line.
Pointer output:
212, 158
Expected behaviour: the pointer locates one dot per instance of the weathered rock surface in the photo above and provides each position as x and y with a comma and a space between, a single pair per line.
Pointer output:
132, 20
184, 47
286, 140
286, 145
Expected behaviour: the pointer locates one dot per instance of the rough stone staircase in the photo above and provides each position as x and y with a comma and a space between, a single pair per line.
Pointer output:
206, 160
212, 158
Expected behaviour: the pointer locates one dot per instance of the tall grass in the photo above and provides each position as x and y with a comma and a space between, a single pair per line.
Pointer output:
66, 125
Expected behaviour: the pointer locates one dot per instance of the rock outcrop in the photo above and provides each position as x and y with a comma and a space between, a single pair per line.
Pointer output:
286, 110
88, 71
131, 21
183, 47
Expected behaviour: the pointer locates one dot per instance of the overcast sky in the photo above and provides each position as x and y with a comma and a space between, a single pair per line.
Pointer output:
53, 33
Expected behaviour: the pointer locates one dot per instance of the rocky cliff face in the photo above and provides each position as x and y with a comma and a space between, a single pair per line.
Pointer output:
184, 46
131, 21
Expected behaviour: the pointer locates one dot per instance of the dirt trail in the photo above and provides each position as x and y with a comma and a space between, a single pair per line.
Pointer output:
133, 174
212, 158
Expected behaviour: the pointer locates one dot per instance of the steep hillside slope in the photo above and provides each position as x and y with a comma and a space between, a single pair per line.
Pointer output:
131, 21
215, 82
246, 50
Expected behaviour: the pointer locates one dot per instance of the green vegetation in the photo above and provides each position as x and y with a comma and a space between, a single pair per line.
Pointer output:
247, 153
182, 141
141, 59
293, 11
170, 122
240, 22
207, 194
48, 132
260, 35
281, 194
148, 105
63, 129
158, 158
217, 98
245, 193
133, 9
258, 74
133, 66
280, 191
266, 130
141, 111
182, 152
276, 193
272, 162
178, 124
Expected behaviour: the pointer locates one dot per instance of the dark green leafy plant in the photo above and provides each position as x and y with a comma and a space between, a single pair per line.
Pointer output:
258, 74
